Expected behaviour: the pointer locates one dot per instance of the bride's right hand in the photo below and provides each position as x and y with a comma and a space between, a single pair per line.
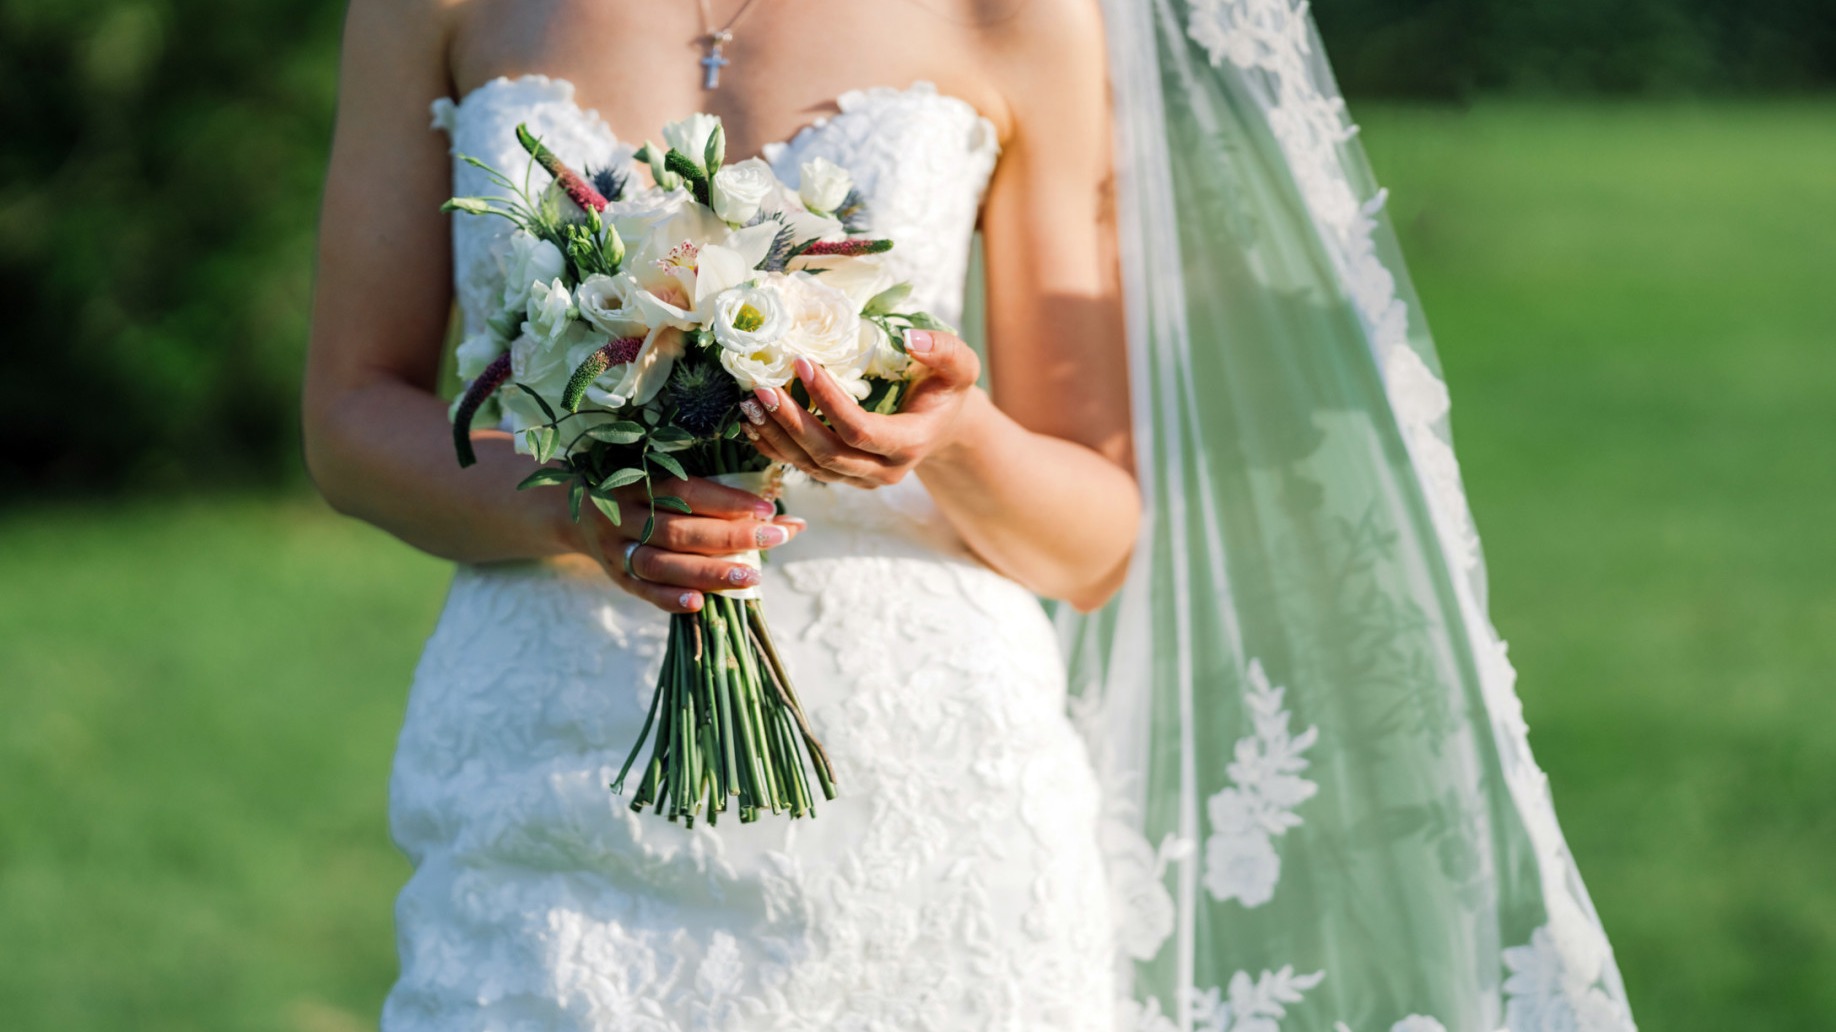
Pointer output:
682, 560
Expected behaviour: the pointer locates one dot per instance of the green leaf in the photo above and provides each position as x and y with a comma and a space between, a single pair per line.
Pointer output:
546, 410
622, 432
628, 475
889, 402
607, 506
927, 321
716, 151
673, 504
887, 300
544, 439
668, 462
650, 527
574, 495
652, 416
670, 434
546, 475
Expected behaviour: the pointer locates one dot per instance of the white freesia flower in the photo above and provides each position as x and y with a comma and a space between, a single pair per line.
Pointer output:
879, 356
824, 324
476, 352
739, 190
823, 185
690, 135
640, 379
749, 317
530, 260
550, 311
861, 278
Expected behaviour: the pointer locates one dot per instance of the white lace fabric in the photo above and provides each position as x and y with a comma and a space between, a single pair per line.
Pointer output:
956, 884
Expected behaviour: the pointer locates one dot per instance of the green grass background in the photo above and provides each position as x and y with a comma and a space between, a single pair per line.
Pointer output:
1635, 311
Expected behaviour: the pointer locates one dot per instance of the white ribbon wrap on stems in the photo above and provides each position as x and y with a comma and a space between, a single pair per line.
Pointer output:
767, 484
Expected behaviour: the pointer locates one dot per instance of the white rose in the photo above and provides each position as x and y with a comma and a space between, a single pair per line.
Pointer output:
476, 352
747, 318
531, 260
605, 303
544, 368
765, 365
823, 325
550, 311
690, 135
823, 185
740, 189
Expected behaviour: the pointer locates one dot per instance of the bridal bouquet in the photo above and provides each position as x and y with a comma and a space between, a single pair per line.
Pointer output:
633, 323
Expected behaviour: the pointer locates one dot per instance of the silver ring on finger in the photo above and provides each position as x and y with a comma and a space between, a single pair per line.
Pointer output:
630, 548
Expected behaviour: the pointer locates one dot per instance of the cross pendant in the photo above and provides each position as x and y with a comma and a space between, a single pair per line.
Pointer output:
713, 63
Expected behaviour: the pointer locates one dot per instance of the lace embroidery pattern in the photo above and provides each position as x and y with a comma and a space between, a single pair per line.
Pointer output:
1266, 788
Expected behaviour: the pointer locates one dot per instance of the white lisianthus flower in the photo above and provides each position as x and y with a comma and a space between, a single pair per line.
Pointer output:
824, 326
739, 190
690, 135
749, 317
530, 260
764, 365
476, 352
550, 311
823, 185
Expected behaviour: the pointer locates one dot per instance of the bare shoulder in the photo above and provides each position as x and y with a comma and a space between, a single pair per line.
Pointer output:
1048, 57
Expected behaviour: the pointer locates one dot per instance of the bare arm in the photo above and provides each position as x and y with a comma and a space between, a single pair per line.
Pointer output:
1037, 479
377, 439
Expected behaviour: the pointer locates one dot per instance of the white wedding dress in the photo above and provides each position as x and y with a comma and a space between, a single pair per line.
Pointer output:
956, 884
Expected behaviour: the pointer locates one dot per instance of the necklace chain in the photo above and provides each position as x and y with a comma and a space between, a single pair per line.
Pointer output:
716, 40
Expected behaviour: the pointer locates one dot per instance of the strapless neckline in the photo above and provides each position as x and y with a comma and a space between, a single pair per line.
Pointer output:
855, 103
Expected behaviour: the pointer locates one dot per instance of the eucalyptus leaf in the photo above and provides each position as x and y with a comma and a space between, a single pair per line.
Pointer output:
668, 462
607, 506
546, 475
673, 504
628, 475
621, 432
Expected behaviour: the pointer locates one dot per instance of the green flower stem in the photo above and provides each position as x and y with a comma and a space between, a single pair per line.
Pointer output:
656, 703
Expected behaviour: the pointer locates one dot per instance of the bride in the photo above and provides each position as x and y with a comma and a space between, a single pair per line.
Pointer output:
1266, 772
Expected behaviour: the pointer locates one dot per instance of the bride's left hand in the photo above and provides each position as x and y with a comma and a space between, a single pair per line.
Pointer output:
860, 447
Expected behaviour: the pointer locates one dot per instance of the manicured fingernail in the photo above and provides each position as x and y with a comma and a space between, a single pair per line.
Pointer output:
794, 522
742, 575
771, 536
768, 398
689, 600
764, 510
806, 370
751, 434
918, 341
752, 412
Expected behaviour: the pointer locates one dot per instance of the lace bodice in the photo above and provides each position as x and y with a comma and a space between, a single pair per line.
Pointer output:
921, 159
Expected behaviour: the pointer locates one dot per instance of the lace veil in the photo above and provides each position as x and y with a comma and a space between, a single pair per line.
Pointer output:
1322, 813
